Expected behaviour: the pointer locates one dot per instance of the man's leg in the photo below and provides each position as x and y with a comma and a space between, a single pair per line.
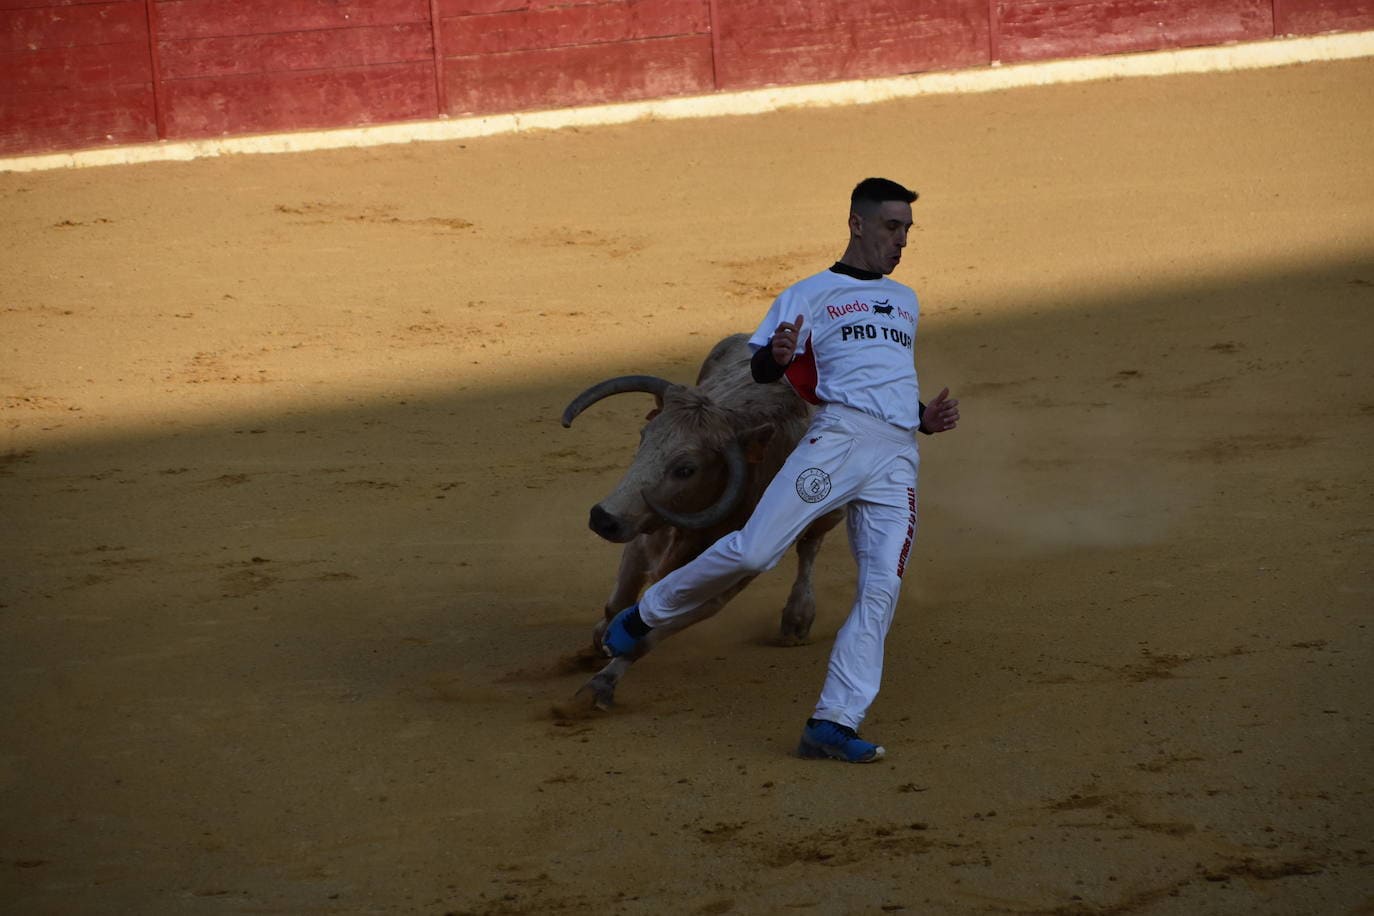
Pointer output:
881, 536
818, 476
776, 522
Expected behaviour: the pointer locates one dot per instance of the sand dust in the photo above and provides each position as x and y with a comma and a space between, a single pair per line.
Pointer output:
294, 544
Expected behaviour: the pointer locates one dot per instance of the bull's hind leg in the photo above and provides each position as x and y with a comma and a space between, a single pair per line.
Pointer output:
800, 610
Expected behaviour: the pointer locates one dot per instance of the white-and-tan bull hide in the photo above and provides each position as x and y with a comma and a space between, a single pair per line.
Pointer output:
705, 456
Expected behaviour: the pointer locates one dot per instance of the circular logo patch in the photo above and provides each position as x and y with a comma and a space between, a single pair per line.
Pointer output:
813, 485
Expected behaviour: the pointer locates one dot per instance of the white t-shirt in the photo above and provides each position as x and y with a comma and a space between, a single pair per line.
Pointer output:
856, 346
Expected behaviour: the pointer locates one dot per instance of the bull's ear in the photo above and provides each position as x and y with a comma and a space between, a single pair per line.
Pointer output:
658, 401
755, 442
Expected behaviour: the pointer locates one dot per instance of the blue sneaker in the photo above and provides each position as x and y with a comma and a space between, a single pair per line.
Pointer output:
624, 633
821, 738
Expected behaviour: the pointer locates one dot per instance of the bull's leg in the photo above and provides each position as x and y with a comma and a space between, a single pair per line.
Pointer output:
800, 610
636, 560
639, 557
599, 692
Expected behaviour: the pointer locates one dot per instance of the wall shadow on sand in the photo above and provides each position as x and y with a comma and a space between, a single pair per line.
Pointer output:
305, 595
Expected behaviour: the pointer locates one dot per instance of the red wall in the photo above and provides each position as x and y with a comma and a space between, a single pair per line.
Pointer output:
1040, 29
84, 73
74, 74
255, 66
1308, 17
763, 42
508, 55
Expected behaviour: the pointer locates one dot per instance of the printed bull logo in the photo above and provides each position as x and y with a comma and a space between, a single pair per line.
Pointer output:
882, 307
885, 307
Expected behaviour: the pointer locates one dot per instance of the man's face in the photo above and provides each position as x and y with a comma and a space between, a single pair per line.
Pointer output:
881, 235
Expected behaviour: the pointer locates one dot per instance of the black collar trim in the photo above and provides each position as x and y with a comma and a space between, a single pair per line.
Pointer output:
840, 267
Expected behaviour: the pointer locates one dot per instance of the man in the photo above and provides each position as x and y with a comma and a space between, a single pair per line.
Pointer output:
844, 340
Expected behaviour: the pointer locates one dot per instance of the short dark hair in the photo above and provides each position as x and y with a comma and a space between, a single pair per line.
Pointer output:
874, 191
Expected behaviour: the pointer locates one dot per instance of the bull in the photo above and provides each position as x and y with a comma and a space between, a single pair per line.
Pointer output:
705, 457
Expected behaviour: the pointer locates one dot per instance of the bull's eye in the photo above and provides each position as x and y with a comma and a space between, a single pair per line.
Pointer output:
683, 471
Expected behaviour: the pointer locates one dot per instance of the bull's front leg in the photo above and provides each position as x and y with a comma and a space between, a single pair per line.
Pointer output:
800, 610
636, 560
598, 694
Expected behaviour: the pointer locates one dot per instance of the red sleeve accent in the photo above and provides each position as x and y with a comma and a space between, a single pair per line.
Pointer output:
801, 375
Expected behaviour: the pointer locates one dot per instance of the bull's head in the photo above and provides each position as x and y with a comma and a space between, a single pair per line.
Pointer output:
689, 471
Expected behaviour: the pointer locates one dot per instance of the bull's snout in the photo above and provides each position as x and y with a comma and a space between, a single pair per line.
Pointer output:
606, 525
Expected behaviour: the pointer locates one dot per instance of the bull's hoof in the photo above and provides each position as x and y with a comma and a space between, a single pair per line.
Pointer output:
597, 695
794, 629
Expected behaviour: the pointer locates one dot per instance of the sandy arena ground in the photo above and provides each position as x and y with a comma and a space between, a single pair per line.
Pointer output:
294, 545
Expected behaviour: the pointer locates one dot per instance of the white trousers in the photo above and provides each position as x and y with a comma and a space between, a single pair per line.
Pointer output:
846, 457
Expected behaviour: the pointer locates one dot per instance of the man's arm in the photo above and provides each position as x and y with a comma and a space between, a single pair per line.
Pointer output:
764, 367
770, 363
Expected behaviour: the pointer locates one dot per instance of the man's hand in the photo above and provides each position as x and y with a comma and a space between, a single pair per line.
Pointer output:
942, 414
785, 339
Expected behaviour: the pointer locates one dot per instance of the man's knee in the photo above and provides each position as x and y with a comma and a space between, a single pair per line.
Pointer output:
882, 589
754, 559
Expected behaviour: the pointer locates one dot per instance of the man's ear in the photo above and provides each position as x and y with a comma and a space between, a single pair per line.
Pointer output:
856, 223
653, 413
755, 442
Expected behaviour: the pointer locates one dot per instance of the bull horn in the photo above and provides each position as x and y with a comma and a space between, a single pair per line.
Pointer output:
649, 384
726, 504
